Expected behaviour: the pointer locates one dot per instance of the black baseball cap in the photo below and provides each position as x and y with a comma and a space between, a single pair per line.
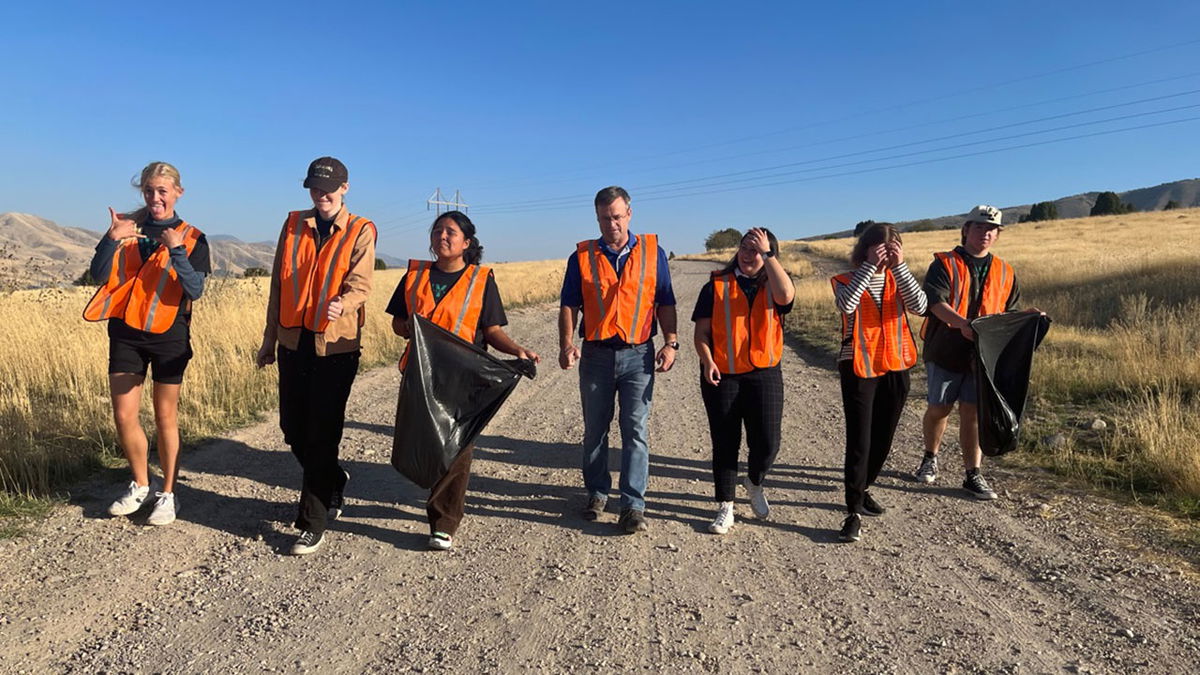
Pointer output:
326, 174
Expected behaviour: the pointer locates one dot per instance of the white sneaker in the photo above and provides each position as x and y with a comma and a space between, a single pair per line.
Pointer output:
440, 541
758, 500
133, 499
724, 519
928, 470
165, 508
307, 542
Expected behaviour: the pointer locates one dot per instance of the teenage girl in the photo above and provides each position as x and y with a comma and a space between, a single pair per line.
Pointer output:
453, 290
739, 337
151, 265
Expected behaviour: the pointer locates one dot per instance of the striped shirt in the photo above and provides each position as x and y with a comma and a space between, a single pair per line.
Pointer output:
865, 279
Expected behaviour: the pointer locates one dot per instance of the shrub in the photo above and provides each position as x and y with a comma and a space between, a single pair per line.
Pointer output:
727, 238
380, 264
251, 272
1109, 204
1041, 211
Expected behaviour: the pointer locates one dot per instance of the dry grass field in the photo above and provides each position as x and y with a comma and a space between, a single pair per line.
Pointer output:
55, 414
1124, 294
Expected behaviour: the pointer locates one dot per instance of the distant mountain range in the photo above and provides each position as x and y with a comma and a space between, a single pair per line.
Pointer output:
36, 253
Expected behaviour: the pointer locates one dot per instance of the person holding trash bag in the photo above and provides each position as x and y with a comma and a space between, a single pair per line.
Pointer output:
151, 265
739, 338
319, 286
877, 352
622, 284
961, 285
460, 295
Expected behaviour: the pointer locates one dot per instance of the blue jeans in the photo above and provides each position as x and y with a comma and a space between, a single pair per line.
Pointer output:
628, 374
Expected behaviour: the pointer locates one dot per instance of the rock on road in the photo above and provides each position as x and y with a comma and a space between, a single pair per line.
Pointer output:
940, 583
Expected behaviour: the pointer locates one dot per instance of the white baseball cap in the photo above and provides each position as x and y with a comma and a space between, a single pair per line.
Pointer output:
985, 214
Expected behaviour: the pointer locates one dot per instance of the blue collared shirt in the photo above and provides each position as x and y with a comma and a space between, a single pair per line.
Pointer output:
572, 288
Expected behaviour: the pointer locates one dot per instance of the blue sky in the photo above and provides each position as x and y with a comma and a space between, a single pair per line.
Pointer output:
529, 108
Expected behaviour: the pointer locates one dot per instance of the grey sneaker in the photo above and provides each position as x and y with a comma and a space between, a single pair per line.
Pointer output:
594, 508
165, 509
632, 521
927, 472
133, 499
307, 542
758, 499
724, 519
978, 487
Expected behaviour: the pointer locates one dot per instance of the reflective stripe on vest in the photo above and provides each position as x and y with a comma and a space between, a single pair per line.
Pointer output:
882, 341
311, 277
745, 336
459, 309
146, 295
619, 307
997, 286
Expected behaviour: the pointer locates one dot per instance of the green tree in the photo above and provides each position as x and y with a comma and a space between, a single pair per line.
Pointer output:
380, 264
726, 238
1171, 205
85, 279
1109, 204
1041, 211
250, 272
923, 225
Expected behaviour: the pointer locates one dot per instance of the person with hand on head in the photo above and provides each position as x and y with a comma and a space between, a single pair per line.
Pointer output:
876, 354
460, 295
739, 338
151, 266
622, 285
962, 285
320, 281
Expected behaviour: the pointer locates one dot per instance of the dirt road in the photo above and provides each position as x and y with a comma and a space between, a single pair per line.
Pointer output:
1038, 581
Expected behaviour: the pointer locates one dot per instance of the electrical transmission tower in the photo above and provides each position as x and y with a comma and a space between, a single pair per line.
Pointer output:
437, 202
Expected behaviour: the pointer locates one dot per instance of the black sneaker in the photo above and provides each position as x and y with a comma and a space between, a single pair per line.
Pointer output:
870, 507
338, 500
851, 528
632, 521
978, 487
594, 508
307, 542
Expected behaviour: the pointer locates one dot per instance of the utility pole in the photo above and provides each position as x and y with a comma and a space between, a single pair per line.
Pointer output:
437, 202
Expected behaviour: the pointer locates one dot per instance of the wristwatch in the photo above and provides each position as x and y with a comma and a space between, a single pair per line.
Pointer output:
673, 345
768, 254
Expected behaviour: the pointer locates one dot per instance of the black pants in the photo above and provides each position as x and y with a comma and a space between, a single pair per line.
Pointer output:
312, 411
872, 407
753, 399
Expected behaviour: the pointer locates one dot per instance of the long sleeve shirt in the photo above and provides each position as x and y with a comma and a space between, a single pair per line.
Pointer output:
864, 279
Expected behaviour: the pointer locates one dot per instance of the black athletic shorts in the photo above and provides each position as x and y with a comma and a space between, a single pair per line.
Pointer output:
166, 359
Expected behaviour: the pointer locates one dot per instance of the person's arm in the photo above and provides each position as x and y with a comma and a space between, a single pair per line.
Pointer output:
398, 308
570, 300
102, 260
496, 337
667, 321
914, 298
356, 285
778, 280
848, 296
266, 351
702, 338
946, 314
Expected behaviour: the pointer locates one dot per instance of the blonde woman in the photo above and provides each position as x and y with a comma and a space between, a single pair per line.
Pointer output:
151, 265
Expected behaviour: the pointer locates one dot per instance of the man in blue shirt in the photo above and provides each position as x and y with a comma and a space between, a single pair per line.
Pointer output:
622, 285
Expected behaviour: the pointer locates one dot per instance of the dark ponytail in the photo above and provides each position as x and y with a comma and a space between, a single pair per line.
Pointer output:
474, 253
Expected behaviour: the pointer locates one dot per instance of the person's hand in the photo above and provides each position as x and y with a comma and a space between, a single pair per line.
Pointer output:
568, 356
335, 309
877, 255
1035, 310
121, 228
266, 354
895, 253
758, 237
711, 373
967, 331
171, 238
523, 353
665, 358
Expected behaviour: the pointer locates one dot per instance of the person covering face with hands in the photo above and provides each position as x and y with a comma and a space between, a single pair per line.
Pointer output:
319, 285
739, 339
621, 283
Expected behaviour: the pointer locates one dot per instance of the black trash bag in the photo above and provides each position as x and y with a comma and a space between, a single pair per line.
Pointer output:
1004, 345
450, 391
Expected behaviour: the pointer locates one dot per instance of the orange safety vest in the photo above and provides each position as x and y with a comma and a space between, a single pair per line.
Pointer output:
882, 340
624, 307
996, 287
744, 337
309, 279
145, 294
459, 309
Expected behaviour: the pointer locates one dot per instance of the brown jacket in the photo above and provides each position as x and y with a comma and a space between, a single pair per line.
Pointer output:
344, 334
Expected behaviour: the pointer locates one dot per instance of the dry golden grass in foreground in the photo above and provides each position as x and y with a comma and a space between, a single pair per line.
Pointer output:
1124, 295
55, 414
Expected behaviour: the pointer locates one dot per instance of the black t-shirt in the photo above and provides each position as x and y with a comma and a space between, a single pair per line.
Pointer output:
749, 286
946, 346
491, 314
